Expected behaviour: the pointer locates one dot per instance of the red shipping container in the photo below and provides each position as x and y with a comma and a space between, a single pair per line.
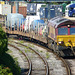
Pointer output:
14, 9
23, 10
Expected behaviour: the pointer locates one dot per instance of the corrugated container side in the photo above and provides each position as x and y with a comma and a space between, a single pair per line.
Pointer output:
6, 9
23, 10
43, 12
14, 9
31, 8
46, 12
52, 12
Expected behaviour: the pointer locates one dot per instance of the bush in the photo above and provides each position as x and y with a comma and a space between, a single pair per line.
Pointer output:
3, 42
8, 61
12, 67
5, 70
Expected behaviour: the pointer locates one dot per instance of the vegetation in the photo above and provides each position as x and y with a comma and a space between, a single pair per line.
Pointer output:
8, 66
47, 55
5, 70
21, 41
3, 42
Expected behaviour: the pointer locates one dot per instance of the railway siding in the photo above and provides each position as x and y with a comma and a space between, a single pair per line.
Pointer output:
56, 66
39, 65
71, 63
22, 60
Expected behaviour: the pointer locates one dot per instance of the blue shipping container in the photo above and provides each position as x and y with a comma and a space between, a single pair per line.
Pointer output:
31, 8
43, 12
55, 10
52, 12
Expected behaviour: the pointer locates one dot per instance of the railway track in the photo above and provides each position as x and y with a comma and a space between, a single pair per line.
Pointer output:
39, 64
24, 61
57, 66
71, 63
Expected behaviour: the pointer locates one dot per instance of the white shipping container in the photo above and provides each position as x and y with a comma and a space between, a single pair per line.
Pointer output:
5, 9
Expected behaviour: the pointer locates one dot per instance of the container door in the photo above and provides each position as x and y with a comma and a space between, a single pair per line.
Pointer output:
52, 12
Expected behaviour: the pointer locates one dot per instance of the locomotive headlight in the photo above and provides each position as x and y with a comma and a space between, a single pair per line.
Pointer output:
60, 42
68, 26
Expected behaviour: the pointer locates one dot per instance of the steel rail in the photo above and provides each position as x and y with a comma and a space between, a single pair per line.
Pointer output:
45, 62
29, 61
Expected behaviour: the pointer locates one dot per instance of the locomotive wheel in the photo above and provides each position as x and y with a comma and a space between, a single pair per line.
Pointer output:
58, 53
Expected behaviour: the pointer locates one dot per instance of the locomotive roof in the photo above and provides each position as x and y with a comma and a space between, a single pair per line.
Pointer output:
57, 20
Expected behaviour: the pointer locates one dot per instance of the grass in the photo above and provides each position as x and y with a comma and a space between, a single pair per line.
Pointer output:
16, 58
21, 41
10, 42
47, 55
20, 51
37, 50
29, 45
28, 50
9, 51
19, 45
41, 51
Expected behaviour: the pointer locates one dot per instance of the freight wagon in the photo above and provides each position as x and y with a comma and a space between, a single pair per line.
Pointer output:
13, 19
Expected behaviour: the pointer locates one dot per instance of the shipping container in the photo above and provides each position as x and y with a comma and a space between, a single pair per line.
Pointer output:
13, 19
23, 10
31, 8
5, 9
14, 9
55, 10
43, 12
29, 20
52, 11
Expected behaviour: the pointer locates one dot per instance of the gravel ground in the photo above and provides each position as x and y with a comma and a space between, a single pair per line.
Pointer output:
56, 67
22, 61
71, 63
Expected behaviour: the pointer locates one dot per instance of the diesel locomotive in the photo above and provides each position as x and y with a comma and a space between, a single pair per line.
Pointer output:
61, 36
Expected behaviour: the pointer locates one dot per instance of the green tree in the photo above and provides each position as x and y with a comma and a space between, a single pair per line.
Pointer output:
3, 42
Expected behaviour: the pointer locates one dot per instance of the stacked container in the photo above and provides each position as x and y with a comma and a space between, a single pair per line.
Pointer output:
43, 12
31, 8
53, 11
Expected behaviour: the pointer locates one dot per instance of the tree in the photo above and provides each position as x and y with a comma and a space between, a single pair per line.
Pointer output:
3, 41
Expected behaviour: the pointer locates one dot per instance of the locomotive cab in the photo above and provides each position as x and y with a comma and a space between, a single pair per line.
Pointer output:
66, 37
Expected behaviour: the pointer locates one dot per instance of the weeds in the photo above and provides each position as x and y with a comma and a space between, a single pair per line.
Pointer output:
9, 51
47, 55
21, 41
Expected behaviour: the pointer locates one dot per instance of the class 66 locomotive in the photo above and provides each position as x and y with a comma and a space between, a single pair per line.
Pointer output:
61, 36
